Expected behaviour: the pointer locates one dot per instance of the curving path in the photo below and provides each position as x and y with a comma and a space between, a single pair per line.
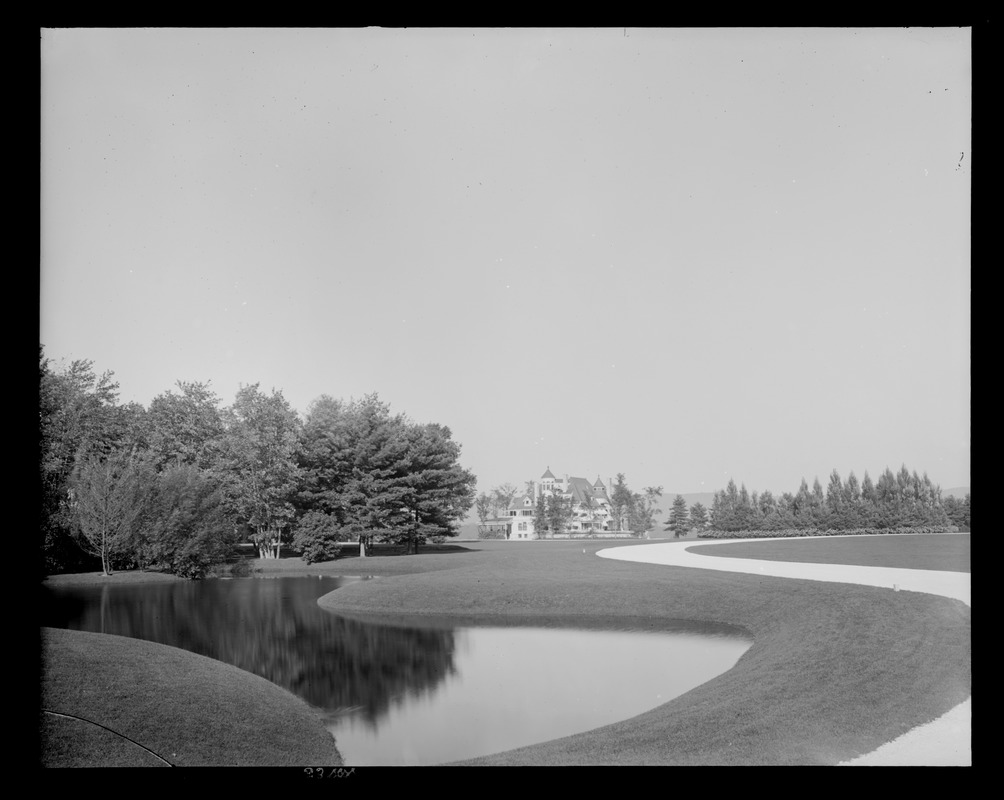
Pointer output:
946, 741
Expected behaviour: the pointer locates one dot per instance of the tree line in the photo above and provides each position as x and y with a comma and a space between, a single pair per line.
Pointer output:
178, 485
896, 500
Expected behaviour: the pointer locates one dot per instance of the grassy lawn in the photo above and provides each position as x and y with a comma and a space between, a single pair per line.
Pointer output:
127, 703
905, 551
835, 670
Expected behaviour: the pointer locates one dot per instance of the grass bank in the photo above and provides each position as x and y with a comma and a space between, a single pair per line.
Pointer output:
835, 670
119, 702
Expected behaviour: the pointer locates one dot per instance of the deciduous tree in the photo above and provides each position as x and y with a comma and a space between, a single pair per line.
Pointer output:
503, 497
483, 507
652, 495
186, 427
559, 513
185, 529
106, 498
257, 459
621, 503
78, 419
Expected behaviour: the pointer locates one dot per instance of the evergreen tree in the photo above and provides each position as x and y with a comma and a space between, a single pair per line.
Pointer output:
621, 504
540, 515
744, 510
769, 518
818, 505
835, 515
679, 522
381, 476
786, 511
431, 485
868, 516
318, 537
725, 509
852, 503
802, 507
698, 517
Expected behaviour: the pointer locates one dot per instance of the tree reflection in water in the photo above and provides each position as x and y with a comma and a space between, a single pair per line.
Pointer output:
273, 628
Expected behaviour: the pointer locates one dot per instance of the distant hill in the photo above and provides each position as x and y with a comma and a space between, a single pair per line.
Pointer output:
704, 498
956, 491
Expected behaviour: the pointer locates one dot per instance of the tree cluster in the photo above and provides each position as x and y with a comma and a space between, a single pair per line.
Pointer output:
633, 511
901, 500
552, 514
381, 477
494, 504
177, 485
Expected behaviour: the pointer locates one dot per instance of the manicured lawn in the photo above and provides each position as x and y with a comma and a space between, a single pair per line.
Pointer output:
114, 701
835, 670
905, 551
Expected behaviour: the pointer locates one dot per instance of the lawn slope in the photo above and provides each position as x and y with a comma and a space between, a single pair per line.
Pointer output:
835, 670
114, 701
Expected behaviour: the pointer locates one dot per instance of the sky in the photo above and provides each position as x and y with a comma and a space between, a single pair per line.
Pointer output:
684, 255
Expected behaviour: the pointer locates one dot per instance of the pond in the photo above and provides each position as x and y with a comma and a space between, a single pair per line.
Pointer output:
395, 695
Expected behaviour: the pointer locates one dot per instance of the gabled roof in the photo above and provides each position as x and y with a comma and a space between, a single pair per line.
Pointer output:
580, 490
548, 474
599, 483
521, 503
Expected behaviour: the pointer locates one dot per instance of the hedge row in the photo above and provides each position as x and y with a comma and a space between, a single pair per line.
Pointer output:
792, 532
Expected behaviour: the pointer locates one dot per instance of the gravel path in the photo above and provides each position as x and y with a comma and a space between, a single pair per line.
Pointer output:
947, 741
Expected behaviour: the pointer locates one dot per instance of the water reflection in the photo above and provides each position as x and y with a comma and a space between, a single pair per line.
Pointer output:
519, 686
273, 628
395, 695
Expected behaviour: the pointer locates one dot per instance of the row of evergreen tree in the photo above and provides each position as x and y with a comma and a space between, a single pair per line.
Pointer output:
177, 485
901, 500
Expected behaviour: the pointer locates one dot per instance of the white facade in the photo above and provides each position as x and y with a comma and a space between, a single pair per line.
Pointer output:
589, 501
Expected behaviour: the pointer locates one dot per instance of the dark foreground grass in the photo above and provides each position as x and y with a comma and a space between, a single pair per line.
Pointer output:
835, 670
116, 701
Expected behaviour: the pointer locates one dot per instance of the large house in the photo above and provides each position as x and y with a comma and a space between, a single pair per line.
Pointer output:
590, 508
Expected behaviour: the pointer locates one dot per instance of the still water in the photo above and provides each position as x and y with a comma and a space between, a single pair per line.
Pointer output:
408, 696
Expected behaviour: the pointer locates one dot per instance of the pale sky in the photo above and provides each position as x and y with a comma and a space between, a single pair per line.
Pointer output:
686, 255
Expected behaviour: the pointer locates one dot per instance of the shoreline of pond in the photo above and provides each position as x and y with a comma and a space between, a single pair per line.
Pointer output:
785, 702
